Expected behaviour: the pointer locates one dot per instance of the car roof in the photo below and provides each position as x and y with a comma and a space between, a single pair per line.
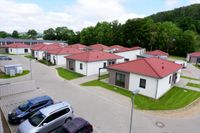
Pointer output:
39, 99
54, 108
75, 124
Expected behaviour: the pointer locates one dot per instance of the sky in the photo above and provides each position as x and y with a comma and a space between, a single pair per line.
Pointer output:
22, 15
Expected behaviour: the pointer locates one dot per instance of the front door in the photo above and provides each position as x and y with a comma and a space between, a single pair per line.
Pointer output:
71, 65
174, 77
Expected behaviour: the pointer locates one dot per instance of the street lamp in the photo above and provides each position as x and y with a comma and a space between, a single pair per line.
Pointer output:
134, 92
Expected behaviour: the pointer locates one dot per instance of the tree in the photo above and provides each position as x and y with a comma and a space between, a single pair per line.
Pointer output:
3, 34
15, 34
87, 36
49, 34
32, 33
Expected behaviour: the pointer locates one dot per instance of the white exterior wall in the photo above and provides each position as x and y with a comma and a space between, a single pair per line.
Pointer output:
90, 68
18, 50
77, 67
151, 85
39, 54
155, 88
60, 59
131, 55
163, 86
93, 67
119, 60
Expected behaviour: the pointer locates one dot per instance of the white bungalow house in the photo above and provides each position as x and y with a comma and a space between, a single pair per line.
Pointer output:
129, 53
89, 62
18, 48
153, 76
40, 51
57, 56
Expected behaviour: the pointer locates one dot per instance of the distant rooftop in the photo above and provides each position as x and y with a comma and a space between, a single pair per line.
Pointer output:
13, 40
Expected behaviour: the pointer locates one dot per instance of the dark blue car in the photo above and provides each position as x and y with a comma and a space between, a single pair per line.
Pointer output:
25, 110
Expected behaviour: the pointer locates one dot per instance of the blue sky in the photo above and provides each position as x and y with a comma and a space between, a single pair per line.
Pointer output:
22, 15
145, 7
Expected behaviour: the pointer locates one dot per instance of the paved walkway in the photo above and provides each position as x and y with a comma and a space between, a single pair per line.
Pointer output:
86, 78
183, 84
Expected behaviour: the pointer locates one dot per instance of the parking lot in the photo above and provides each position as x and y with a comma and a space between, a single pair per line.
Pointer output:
107, 111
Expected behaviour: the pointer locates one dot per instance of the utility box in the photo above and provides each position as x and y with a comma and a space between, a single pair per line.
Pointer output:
14, 69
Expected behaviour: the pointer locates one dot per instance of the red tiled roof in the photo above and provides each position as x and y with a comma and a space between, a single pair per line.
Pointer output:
47, 47
65, 50
195, 54
37, 46
100, 47
78, 46
117, 46
91, 56
153, 67
17, 45
157, 53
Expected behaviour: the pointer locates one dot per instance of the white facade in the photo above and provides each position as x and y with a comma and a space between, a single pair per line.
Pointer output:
38, 54
58, 59
19, 50
91, 68
131, 55
155, 88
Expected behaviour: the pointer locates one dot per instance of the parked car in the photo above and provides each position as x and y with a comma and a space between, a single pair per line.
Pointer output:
77, 125
47, 119
5, 58
180, 62
28, 108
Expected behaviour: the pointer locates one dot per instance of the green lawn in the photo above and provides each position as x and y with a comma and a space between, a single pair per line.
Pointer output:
191, 78
29, 56
177, 58
173, 99
3, 76
193, 85
197, 66
104, 76
46, 62
66, 74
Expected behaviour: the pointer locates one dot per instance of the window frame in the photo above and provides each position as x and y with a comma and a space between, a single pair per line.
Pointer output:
142, 83
120, 79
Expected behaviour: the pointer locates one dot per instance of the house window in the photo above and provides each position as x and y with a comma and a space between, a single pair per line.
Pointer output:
25, 50
10, 50
81, 66
104, 64
120, 79
143, 83
170, 78
126, 59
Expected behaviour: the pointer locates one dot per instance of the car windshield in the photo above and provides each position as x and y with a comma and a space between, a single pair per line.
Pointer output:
24, 106
36, 119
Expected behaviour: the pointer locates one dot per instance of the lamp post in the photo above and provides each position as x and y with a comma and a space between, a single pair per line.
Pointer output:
134, 92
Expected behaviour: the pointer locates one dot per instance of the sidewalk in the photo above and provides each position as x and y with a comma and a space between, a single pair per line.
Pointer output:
183, 84
86, 78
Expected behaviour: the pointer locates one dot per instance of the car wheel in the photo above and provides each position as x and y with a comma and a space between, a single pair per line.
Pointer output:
68, 119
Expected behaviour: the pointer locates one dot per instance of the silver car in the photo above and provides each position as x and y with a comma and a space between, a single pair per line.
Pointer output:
47, 119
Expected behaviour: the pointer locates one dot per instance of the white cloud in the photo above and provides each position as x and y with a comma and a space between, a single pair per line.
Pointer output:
24, 16
171, 4
194, 1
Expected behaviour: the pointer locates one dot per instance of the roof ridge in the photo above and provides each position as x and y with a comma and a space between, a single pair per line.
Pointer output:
152, 67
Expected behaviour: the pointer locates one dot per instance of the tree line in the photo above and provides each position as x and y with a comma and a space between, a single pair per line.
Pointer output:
30, 34
169, 31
